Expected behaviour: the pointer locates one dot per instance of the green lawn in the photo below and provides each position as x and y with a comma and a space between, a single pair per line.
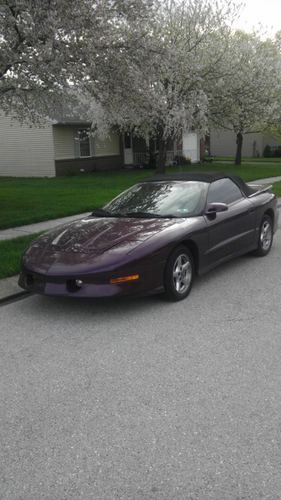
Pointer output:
277, 188
27, 200
11, 252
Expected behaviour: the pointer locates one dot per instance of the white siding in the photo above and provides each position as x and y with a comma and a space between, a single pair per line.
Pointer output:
223, 143
24, 150
108, 146
64, 142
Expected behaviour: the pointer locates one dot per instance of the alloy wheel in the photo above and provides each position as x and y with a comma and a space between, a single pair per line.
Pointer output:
266, 235
182, 273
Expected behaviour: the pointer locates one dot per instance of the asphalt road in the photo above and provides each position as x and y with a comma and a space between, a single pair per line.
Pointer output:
142, 399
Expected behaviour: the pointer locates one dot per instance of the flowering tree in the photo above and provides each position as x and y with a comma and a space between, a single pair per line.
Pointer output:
147, 66
247, 97
274, 127
165, 85
44, 46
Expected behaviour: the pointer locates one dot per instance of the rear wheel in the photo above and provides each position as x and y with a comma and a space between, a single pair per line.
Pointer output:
265, 236
179, 274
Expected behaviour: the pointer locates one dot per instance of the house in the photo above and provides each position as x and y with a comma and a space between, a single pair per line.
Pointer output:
223, 143
65, 148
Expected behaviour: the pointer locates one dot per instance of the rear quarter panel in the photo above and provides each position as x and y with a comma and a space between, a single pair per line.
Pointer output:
265, 202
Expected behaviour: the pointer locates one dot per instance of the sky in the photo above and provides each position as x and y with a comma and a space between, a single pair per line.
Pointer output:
264, 12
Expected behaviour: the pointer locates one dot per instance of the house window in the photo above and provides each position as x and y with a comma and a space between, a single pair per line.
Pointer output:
84, 142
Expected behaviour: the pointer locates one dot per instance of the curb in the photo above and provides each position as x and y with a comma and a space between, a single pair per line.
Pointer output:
14, 298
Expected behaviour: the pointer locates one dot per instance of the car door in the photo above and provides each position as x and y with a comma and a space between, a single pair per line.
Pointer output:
233, 230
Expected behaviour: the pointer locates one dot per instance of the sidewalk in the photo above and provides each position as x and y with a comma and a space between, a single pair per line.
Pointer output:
9, 234
9, 286
268, 180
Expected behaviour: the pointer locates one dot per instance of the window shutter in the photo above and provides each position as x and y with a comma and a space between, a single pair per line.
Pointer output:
76, 144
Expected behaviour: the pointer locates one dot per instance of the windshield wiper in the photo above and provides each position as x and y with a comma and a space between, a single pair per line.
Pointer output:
142, 215
150, 215
100, 212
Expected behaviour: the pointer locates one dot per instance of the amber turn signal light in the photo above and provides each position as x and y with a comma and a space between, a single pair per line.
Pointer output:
124, 279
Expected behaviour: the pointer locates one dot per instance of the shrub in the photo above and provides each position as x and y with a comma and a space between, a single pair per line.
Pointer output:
182, 160
267, 152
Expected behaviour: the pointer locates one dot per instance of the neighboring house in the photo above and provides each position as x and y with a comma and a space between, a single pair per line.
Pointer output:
65, 148
223, 143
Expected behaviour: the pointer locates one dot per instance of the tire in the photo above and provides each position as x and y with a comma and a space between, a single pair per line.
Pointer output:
179, 274
265, 236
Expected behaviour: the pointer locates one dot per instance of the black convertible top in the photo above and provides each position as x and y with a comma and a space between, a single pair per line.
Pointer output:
203, 177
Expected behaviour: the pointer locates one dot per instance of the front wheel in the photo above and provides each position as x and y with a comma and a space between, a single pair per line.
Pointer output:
265, 236
179, 274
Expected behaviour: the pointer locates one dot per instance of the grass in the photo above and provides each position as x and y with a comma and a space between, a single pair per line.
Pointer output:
28, 200
11, 252
277, 188
248, 160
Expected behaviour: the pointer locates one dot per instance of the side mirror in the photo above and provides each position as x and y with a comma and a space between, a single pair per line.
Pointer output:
213, 208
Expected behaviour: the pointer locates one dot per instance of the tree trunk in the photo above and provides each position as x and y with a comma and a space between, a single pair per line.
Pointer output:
239, 142
161, 164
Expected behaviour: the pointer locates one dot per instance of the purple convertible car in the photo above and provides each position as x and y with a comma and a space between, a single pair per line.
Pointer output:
154, 237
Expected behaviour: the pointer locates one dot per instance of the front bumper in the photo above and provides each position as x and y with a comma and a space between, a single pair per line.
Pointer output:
91, 286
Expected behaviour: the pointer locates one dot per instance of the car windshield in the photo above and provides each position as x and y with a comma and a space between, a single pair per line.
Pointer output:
159, 199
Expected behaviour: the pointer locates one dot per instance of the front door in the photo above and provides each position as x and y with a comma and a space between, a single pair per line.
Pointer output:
128, 149
234, 230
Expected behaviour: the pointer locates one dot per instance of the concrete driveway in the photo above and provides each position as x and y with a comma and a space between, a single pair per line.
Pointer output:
142, 399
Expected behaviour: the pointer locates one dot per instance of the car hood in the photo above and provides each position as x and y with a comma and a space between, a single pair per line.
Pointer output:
95, 235
86, 238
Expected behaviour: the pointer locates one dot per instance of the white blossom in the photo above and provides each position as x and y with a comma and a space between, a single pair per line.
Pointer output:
44, 47
165, 85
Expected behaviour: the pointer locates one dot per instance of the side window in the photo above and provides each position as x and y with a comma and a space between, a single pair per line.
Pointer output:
223, 191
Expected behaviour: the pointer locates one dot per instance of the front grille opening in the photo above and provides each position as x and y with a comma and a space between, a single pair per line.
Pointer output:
72, 286
29, 280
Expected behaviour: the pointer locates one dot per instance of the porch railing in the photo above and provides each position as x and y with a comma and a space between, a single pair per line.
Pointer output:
141, 158
172, 155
